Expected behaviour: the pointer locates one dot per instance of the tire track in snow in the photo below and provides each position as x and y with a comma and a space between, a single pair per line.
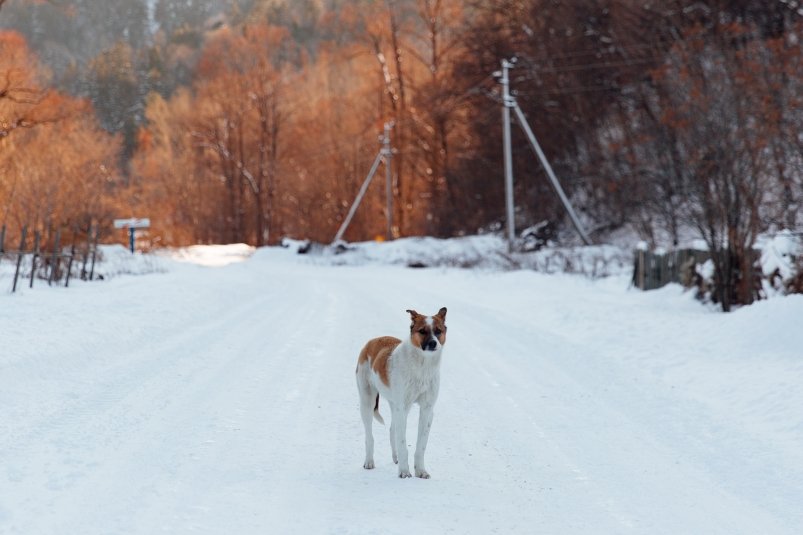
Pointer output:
240, 465
631, 448
227, 419
167, 375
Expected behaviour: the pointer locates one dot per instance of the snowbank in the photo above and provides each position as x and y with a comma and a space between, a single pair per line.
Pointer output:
211, 255
488, 252
779, 258
111, 261
115, 260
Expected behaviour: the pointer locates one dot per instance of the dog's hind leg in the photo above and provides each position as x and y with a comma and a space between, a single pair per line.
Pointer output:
367, 402
393, 439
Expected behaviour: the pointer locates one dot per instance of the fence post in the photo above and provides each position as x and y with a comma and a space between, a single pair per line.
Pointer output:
94, 252
36, 238
642, 263
55, 258
86, 253
69, 266
2, 238
19, 258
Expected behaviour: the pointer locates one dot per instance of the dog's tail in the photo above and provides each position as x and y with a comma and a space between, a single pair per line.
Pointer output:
378, 416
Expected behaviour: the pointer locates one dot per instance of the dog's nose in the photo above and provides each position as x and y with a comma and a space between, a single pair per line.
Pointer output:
431, 345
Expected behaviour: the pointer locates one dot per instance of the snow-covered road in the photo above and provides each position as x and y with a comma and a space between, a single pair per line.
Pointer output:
222, 400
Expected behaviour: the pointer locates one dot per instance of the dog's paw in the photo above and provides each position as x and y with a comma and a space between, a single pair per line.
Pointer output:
423, 474
368, 465
403, 474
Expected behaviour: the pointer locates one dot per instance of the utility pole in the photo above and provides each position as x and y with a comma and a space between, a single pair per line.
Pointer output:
384, 155
387, 152
507, 103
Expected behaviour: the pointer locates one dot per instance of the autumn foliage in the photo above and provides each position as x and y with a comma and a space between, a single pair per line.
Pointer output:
57, 167
278, 143
669, 121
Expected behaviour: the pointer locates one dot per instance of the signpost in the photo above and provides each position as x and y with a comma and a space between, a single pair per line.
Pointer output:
132, 225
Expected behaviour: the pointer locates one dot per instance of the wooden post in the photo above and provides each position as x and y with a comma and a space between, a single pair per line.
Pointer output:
94, 252
55, 258
19, 258
86, 252
36, 238
2, 238
642, 269
69, 266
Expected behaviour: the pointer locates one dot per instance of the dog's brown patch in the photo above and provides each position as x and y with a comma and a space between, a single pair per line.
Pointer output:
377, 354
419, 330
439, 325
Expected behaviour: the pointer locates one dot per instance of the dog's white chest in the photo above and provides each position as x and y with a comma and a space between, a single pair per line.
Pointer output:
418, 379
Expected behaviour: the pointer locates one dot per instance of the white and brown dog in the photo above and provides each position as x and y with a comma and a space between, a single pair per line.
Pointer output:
403, 372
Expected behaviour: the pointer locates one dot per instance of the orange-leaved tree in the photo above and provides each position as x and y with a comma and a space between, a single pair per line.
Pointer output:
58, 167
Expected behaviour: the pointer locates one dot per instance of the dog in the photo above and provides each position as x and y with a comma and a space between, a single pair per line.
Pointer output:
403, 372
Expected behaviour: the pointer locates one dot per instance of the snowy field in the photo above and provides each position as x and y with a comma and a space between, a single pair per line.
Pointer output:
222, 400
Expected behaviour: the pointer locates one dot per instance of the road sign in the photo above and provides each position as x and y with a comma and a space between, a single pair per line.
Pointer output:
132, 222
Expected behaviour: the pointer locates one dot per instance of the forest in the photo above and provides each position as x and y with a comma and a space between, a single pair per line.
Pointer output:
250, 120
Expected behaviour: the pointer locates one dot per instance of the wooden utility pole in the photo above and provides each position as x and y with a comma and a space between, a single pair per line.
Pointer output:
508, 103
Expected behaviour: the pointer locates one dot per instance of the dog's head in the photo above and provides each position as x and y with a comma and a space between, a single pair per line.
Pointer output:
428, 333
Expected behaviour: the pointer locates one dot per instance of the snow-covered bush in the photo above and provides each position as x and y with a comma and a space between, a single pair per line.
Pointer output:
778, 268
782, 263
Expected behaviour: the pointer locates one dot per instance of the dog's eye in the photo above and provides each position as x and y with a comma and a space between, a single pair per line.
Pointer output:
422, 331
437, 332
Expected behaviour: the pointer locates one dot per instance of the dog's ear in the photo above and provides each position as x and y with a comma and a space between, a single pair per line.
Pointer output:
442, 313
413, 316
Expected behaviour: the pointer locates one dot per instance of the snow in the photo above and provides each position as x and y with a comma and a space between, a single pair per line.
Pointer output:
487, 252
778, 252
111, 261
213, 255
223, 401
115, 260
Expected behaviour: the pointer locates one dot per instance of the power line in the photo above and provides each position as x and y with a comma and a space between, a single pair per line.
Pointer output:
595, 66
572, 90
609, 49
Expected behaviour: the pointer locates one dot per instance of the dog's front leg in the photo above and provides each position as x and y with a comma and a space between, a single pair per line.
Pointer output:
424, 424
400, 426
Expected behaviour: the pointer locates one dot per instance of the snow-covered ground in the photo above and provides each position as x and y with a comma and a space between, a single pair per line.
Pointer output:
222, 400
489, 251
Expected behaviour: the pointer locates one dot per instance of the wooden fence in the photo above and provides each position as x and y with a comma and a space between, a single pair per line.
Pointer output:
54, 265
653, 270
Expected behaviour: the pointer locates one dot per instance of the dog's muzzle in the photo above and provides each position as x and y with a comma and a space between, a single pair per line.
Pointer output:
430, 345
